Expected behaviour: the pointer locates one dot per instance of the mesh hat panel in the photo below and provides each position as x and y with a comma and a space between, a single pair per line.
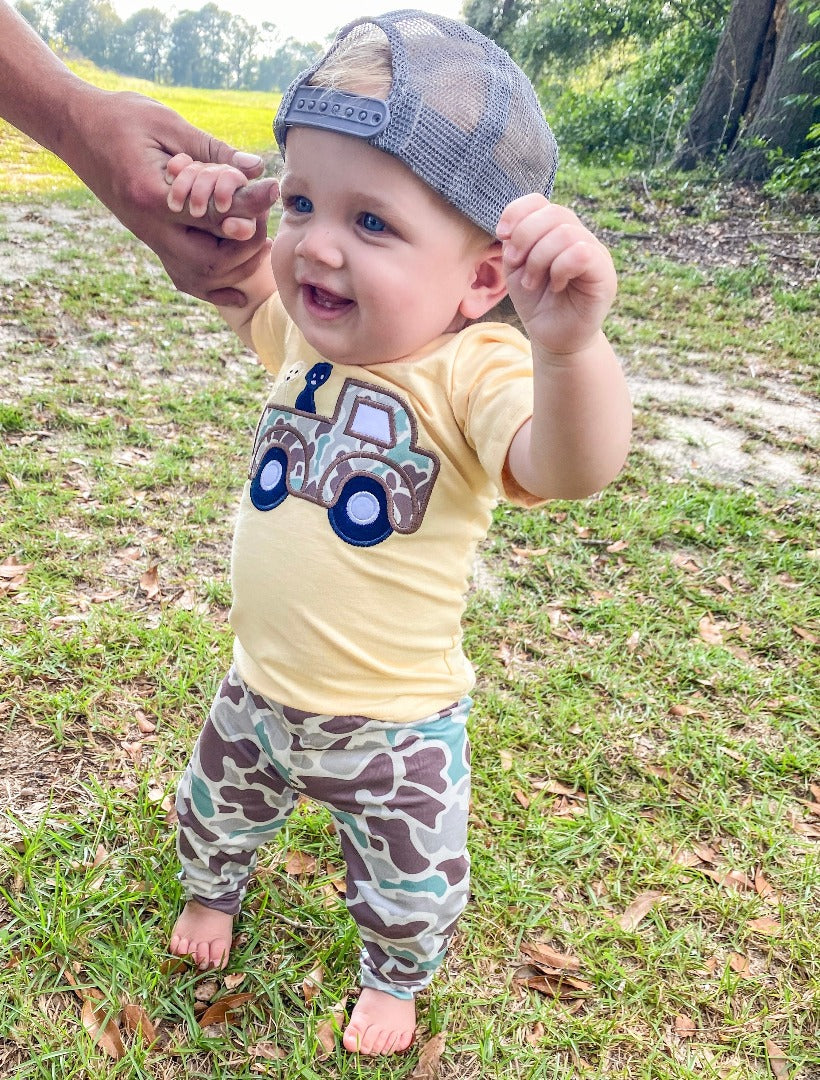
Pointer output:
463, 116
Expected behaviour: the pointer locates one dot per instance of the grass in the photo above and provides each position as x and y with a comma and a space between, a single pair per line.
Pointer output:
645, 720
242, 118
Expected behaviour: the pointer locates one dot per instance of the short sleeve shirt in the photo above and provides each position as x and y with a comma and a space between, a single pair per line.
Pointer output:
369, 489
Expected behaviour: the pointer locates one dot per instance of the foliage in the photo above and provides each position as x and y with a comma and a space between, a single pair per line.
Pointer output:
615, 79
802, 173
204, 48
618, 80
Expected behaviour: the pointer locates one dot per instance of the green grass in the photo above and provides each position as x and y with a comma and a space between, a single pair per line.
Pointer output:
242, 118
647, 690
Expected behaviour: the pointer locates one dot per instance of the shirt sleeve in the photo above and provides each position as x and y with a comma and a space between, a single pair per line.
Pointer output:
269, 328
493, 397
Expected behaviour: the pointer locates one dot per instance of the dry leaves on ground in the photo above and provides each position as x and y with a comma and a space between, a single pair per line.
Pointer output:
551, 973
429, 1063
636, 912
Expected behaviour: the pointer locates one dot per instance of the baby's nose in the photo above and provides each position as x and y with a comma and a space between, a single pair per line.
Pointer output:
319, 243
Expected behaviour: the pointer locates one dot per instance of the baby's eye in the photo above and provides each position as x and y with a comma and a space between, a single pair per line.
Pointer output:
301, 204
371, 223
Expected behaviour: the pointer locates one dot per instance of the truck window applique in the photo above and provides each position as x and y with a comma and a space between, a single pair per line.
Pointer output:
363, 464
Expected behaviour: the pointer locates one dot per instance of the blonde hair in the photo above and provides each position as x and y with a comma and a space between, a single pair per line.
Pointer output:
362, 64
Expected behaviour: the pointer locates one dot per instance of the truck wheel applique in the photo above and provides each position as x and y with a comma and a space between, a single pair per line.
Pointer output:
360, 515
363, 464
269, 486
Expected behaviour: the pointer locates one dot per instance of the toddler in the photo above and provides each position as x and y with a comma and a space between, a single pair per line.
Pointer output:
417, 173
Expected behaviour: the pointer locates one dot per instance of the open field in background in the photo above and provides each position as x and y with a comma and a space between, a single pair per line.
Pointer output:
243, 118
646, 808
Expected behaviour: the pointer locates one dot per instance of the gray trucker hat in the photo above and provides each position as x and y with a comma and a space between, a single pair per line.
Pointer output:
460, 114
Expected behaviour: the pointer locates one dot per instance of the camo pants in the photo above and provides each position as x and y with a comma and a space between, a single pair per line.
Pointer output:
399, 796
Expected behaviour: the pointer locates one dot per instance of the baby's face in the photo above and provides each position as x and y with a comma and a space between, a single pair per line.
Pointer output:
370, 264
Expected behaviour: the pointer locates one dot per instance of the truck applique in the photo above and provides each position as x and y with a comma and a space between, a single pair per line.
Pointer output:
363, 464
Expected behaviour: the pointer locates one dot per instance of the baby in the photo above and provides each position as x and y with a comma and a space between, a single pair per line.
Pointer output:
415, 195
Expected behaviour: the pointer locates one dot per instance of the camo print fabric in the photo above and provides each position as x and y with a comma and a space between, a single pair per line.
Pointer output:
399, 795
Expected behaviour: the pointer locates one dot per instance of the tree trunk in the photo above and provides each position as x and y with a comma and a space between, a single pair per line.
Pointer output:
715, 120
787, 106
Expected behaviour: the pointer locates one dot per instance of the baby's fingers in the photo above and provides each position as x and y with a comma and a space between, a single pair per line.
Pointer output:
199, 182
214, 181
176, 164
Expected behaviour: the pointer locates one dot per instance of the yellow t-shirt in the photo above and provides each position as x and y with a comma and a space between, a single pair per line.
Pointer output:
368, 491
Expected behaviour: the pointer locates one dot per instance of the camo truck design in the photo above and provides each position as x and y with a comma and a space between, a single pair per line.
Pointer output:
363, 464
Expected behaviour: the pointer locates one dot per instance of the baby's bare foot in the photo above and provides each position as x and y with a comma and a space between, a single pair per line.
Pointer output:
204, 934
380, 1024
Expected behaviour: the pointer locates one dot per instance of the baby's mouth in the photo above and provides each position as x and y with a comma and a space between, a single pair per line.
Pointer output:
326, 300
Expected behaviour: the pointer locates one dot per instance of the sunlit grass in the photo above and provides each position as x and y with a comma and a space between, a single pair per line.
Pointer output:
242, 118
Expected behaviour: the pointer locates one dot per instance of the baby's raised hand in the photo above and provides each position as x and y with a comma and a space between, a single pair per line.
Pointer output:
560, 277
198, 182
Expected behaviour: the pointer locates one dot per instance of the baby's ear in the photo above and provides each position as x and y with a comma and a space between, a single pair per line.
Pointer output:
489, 284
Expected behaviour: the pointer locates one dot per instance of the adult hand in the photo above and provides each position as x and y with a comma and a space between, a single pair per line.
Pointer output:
122, 157
118, 144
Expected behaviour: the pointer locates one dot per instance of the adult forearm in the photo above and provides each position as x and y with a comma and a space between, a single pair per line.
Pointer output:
37, 91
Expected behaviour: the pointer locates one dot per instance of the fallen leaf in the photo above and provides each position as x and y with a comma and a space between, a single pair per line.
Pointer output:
312, 983
765, 926
705, 853
530, 553
685, 562
268, 1051
804, 828
326, 1037
299, 864
429, 1063
232, 981
206, 990
547, 957
730, 879
685, 1027
102, 1027
222, 1011
777, 1060
618, 545
506, 760
710, 631
763, 887
521, 798
637, 911
173, 967
136, 1021
149, 581
535, 1034
555, 787
681, 710
740, 965
552, 984
11, 568
806, 635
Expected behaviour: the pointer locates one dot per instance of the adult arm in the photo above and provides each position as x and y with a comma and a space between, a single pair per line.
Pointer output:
118, 144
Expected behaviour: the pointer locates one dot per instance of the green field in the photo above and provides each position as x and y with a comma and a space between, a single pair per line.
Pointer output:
242, 118
646, 806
